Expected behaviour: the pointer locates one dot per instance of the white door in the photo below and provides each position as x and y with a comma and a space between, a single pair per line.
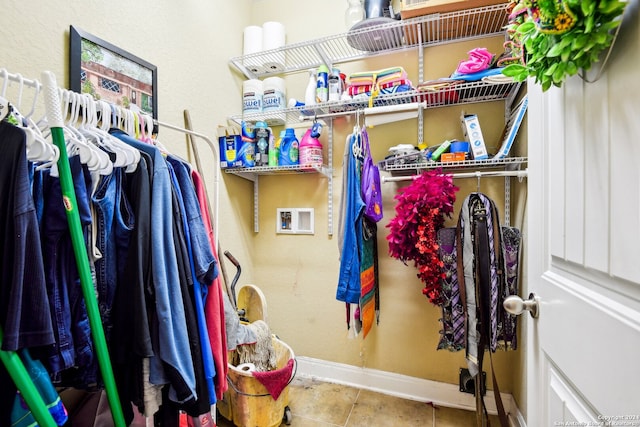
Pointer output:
583, 351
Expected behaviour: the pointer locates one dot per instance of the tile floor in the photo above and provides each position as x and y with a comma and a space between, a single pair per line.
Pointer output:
320, 404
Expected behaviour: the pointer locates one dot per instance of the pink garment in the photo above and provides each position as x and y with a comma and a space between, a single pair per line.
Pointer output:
214, 303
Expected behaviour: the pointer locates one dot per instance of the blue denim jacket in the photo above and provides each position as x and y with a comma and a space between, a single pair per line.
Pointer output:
113, 223
73, 345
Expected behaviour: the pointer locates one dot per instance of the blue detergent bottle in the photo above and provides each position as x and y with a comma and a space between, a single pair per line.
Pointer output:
289, 149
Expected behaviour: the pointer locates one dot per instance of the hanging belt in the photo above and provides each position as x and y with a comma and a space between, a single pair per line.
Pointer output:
483, 299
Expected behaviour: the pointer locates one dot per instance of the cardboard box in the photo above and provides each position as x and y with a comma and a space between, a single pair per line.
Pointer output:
473, 133
413, 8
230, 142
453, 26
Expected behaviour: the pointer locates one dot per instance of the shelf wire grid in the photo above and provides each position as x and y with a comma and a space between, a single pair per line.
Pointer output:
376, 39
460, 93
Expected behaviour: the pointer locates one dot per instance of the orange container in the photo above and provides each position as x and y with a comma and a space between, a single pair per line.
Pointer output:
453, 157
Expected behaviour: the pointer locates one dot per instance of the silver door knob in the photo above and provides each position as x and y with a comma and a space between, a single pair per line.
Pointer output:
516, 306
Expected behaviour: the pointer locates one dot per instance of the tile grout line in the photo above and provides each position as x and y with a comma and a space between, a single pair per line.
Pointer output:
352, 407
433, 412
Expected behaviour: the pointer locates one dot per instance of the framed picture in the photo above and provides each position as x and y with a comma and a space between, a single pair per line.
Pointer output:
111, 74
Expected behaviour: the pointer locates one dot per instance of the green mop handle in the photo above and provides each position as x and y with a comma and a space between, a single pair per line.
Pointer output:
23, 381
54, 118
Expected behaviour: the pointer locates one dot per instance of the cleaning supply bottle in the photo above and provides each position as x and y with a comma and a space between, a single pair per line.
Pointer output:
311, 148
310, 92
262, 144
288, 151
247, 150
274, 148
322, 86
335, 85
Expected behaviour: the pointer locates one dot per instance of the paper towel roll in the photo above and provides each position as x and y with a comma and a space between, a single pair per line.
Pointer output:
252, 91
247, 367
253, 35
252, 39
273, 37
274, 95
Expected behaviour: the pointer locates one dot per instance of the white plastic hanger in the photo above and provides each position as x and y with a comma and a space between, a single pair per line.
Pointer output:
38, 149
90, 155
126, 156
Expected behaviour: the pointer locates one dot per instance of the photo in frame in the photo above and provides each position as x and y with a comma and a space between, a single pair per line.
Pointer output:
111, 74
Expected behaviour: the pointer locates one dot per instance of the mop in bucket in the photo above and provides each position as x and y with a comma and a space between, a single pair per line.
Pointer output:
260, 365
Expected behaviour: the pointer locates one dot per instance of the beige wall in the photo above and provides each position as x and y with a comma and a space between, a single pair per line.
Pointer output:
191, 42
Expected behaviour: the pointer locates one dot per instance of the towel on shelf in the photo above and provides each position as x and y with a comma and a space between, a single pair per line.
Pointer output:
386, 84
275, 381
498, 78
358, 90
473, 77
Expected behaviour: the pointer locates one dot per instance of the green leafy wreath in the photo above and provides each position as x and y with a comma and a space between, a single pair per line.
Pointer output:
558, 38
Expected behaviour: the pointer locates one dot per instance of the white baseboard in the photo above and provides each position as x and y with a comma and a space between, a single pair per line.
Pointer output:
403, 386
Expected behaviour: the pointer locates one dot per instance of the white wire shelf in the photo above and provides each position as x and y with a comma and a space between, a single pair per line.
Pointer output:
507, 163
376, 39
462, 93
278, 170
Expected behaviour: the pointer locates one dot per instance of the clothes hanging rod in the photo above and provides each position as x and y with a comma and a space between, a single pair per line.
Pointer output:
520, 174
18, 79
383, 109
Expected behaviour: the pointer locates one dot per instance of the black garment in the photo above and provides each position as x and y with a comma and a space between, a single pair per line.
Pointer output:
200, 405
25, 315
130, 339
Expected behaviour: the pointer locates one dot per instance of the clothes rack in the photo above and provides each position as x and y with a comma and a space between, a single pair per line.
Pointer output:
477, 174
519, 173
52, 94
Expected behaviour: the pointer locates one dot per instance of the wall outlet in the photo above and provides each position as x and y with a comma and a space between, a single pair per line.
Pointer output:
468, 383
295, 221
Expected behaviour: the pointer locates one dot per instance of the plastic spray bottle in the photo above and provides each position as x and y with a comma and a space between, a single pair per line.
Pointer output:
310, 92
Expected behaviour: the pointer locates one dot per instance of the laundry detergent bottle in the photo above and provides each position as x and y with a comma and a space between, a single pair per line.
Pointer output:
289, 149
274, 148
262, 143
311, 148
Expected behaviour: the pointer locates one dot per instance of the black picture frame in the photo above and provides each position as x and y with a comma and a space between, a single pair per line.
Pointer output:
112, 74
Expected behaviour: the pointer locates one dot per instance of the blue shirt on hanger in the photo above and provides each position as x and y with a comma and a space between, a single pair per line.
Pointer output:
173, 344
